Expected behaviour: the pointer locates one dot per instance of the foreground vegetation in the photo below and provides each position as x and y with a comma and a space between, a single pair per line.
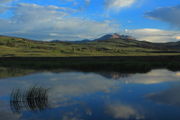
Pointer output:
11, 47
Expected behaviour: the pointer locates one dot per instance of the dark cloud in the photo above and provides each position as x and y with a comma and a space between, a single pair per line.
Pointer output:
170, 96
166, 14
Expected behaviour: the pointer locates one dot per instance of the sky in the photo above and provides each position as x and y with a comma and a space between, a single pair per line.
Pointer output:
69, 20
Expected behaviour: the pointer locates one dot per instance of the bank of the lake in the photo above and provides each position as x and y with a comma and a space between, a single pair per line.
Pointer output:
120, 63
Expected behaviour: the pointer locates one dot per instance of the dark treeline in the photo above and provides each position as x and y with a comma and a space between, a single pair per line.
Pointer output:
94, 58
121, 64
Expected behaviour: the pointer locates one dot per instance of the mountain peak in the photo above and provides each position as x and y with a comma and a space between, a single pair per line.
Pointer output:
114, 36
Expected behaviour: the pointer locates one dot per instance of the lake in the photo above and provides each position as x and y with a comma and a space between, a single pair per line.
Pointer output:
75, 95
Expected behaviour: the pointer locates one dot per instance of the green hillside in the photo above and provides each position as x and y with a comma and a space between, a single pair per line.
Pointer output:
12, 46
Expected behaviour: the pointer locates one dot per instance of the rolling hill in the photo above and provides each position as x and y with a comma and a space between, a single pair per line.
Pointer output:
108, 45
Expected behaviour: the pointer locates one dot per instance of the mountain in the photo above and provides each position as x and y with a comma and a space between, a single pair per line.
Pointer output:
78, 41
81, 41
114, 36
107, 45
109, 36
105, 37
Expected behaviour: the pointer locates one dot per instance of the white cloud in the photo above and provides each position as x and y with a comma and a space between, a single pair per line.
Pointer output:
178, 37
154, 35
153, 77
87, 2
51, 22
4, 6
78, 3
117, 4
120, 111
167, 14
63, 86
5, 1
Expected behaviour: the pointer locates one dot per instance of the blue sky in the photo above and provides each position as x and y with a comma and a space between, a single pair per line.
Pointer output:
150, 20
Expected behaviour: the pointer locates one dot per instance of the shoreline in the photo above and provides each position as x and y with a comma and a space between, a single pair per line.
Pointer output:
90, 58
116, 63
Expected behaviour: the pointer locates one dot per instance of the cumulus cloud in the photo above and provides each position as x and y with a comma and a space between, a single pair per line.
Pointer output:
117, 4
51, 22
167, 14
155, 35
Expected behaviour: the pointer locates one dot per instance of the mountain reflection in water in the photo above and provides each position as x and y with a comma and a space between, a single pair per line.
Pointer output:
34, 99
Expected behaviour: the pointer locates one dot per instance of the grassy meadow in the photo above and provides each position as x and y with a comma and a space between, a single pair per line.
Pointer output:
19, 47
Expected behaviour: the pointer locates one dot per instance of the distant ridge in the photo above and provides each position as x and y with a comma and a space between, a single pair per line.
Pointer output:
105, 37
78, 41
107, 45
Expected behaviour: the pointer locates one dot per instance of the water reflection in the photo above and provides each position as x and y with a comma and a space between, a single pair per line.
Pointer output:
170, 96
114, 75
102, 95
125, 112
6, 72
34, 99
16, 72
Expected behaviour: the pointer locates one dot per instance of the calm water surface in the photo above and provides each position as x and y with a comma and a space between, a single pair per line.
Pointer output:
91, 96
